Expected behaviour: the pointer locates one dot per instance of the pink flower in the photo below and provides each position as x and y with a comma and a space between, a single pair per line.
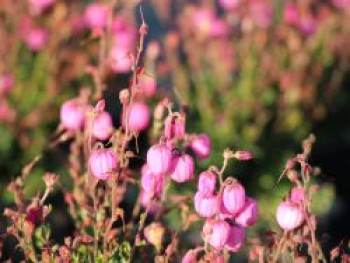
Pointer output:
229, 4
72, 115
120, 61
291, 14
159, 159
190, 257
297, 195
201, 146
124, 35
182, 168
249, 213
35, 38
6, 84
102, 127
207, 183
216, 232
103, 163
174, 127
39, 6
219, 28
235, 238
95, 17
308, 25
233, 197
289, 215
206, 206
151, 182
139, 117
148, 86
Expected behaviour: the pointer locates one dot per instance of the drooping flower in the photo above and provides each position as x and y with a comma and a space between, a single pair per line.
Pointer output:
72, 115
206, 206
151, 182
233, 197
159, 159
217, 233
139, 117
102, 127
206, 183
201, 146
249, 213
103, 162
182, 168
289, 215
235, 238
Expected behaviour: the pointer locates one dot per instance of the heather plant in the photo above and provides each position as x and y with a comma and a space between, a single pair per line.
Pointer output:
237, 70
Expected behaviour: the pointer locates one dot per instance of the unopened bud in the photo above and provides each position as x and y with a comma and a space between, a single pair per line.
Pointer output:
100, 106
124, 96
143, 29
243, 155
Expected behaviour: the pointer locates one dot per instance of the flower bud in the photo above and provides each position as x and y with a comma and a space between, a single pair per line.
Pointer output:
103, 163
151, 182
100, 106
139, 117
182, 168
72, 115
233, 197
289, 215
249, 213
124, 96
201, 146
206, 206
102, 126
154, 234
243, 155
159, 159
235, 238
207, 183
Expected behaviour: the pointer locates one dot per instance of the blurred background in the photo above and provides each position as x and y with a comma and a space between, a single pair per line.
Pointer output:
258, 75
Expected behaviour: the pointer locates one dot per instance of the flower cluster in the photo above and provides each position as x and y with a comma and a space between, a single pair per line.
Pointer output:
227, 211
